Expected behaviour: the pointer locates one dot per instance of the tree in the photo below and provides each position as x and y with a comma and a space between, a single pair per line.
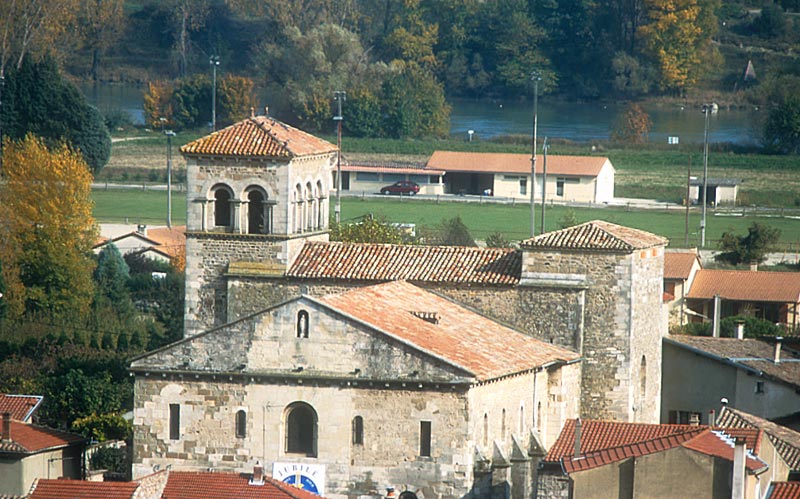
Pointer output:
451, 232
100, 23
752, 248
771, 23
158, 103
32, 26
782, 126
414, 105
234, 99
498, 240
368, 230
38, 100
632, 125
46, 229
187, 16
111, 281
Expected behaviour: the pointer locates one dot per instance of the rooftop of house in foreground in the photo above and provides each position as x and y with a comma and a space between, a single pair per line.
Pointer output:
746, 285
597, 235
258, 136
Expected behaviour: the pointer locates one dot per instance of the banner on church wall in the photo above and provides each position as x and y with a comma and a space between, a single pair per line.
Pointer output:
309, 477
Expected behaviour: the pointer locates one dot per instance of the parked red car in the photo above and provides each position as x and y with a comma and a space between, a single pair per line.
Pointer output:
401, 187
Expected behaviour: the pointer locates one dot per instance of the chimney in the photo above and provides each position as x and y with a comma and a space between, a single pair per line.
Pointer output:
778, 341
694, 419
258, 474
754, 266
6, 433
266, 110
712, 418
740, 330
141, 229
577, 438
739, 457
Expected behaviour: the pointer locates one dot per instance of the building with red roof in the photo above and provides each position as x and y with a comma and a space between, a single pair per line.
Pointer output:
28, 452
680, 267
20, 407
604, 459
355, 388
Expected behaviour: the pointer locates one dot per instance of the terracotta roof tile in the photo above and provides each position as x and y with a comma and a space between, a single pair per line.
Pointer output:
171, 242
451, 161
783, 490
747, 285
384, 262
748, 353
79, 489
596, 235
785, 440
21, 407
205, 485
259, 136
719, 443
678, 264
603, 435
440, 327
30, 439
392, 169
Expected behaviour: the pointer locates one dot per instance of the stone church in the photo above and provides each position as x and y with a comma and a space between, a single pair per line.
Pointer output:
257, 254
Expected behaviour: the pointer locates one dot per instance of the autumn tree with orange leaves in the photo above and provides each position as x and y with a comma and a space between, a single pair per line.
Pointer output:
632, 125
46, 230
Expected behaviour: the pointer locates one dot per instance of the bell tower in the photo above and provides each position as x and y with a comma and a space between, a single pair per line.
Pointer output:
257, 190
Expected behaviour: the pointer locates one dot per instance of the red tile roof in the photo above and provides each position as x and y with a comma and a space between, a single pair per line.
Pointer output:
719, 443
221, 485
30, 439
606, 442
79, 489
785, 440
749, 354
747, 285
783, 490
596, 235
259, 136
170, 241
579, 166
679, 264
21, 407
392, 169
385, 262
453, 333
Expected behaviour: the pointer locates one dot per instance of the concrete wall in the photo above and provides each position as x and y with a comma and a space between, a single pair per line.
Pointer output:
575, 189
373, 185
18, 474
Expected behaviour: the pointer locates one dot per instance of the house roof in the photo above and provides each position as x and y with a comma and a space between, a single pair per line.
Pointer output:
606, 442
783, 490
596, 235
679, 264
385, 262
410, 170
227, 485
21, 407
32, 439
449, 331
259, 136
746, 285
170, 242
479, 162
785, 440
752, 355
81, 489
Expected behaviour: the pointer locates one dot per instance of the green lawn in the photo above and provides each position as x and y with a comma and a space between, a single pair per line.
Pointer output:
513, 221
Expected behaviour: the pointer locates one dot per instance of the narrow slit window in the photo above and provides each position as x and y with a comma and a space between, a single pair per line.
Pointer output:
174, 421
358, 430
425, 438
241, 424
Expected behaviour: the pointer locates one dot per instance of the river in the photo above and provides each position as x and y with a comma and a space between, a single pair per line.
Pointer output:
556, 119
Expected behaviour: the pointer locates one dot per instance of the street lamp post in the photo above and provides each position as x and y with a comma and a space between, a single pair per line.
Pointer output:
544, 180
169, 134
214, 61
536, 77
706, 112
340, 97
2, 84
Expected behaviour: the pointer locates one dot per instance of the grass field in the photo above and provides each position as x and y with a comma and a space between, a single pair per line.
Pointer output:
513, 221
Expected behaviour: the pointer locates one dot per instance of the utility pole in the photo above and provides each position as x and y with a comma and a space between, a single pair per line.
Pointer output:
688, 193
707, 112
544, 180
536, 77
214, 61
2, 84
169, 134
340, 96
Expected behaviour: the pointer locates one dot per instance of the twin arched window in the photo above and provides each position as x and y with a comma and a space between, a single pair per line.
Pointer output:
227, 212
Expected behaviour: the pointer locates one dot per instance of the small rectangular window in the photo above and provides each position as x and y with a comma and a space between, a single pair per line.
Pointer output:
174, 421
759, 387
523, 185
560, 187
425, 438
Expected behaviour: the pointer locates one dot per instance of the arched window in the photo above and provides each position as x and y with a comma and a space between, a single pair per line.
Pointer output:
485, 430
522, 420
358, 430
302, 324
241, 423
407, 494
643, 379
257, 222
320, 211
503, 425
298, 211
539, 418
311, 206
222, 207
301, 430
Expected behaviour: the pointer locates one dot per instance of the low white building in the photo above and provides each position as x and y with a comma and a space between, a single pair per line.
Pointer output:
582, 179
